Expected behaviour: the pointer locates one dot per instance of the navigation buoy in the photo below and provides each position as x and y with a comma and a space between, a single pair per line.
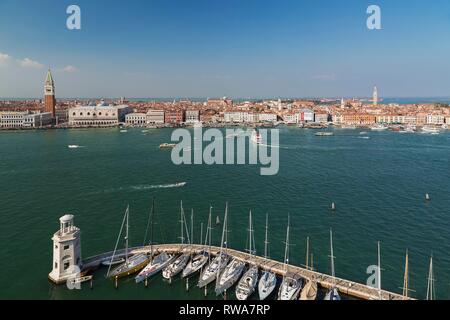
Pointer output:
427, 197
333, 206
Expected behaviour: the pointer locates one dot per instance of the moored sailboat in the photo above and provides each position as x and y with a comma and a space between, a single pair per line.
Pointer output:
219, 263
180, 263
156, 263
268, 280
198, 261
309, 292
247, 284
292, 284
131, 264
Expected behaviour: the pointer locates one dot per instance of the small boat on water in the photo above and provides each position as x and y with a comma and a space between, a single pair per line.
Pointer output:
431, 130
131, 264
256, 137
309, 292
108, 262
123, 131
73, 146
167, 146
268, 280
379, 127
427, 197
324, 134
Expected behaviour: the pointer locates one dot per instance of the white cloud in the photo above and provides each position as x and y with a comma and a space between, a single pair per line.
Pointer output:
325, 77
28, 63
4, 58
69, 69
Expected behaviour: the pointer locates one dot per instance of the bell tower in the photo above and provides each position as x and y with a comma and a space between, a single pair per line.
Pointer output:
67, 262
49, 94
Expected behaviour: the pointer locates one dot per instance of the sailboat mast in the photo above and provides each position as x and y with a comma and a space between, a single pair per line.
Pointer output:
223, 242
181, 223
192, 229
406, 277
430, 287
151, 229
126, 233
266, 241
286, 251
252, 235
307, 253
379, 271
332, 253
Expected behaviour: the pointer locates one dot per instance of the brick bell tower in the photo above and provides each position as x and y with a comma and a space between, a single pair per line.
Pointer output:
49, 94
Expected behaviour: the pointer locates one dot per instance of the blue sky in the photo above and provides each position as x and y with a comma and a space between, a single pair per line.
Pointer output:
237, 48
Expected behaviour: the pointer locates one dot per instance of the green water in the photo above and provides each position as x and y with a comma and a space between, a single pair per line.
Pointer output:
378, 186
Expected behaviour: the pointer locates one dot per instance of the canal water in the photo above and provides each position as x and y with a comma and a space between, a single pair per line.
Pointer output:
378, 185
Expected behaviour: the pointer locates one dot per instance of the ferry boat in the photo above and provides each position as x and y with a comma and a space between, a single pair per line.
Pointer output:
431, 130
379, 127
324, 134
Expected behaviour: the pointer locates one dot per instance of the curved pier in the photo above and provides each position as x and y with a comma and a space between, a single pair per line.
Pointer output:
346, 287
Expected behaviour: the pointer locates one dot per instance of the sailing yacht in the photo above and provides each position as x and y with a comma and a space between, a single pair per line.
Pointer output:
247, 284
180, 263
201, 259
156, 264
229, 276
333, 294
219, 263
309, 292
268, 280
233, 271
292, 284
132, 264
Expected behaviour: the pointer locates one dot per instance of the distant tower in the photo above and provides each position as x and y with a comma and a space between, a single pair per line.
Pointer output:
375, 96
49, 94
342, 103
66, 251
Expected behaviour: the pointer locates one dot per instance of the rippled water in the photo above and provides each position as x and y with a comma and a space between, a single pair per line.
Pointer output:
378, 186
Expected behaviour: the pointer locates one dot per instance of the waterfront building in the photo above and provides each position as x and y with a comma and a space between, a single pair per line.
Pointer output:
435, 119
26, 119
391, 119
67, 261
136, 119
192, 116
291, 118
101, 115
267, 117
306, 115
49, 94
234, 116
321, 117
174, 116
62, 116
358, 119
155, 117
447, 120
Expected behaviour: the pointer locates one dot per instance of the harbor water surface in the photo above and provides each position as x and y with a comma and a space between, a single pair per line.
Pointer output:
378, 185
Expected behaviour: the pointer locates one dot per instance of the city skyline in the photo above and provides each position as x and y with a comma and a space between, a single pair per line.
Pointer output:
256, 49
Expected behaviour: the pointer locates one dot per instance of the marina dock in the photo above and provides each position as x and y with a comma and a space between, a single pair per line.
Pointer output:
347, 287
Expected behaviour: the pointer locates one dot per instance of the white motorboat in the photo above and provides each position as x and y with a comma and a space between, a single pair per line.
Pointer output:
431, 130
379, 127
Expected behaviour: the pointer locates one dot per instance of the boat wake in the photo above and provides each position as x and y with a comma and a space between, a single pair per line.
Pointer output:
144, 187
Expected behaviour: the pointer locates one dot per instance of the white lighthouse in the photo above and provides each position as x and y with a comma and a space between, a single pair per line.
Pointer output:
66, 251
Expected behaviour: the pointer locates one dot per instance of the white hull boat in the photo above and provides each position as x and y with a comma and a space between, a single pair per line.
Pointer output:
156, 265
247, 285
229, 276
